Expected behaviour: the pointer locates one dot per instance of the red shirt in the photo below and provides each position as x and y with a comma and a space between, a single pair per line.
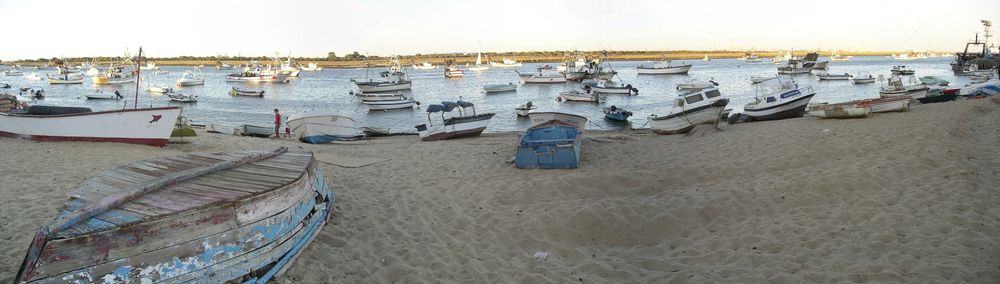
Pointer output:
277, 118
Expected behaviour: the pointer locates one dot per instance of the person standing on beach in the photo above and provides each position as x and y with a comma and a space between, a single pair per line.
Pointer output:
277, 123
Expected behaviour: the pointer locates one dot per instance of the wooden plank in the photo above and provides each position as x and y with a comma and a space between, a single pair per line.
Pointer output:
224, 194
121, 217
160, 201
229, 184
144, 209
203, 185
258, 178
265, 171
268, 184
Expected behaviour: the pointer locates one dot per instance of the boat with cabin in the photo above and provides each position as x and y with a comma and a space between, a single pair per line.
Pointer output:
391, 80
318, 127
257, 74
897, 85
191, 78
901, 70
541, 77
692, 108
115, 75
663, 67
463, 125
451, 70
779, 98
794, 66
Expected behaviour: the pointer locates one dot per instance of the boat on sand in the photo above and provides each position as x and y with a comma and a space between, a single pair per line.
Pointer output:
692, 108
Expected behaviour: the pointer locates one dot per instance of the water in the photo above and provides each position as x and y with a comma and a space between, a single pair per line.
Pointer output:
329, 89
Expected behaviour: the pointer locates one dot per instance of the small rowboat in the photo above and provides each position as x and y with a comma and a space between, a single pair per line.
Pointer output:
182, 98
240, 217
402, 103
524, 110
499, 88
839, 111
161, 90
844, 76
617, 114
247, 93
578, 96
886, 104
100, 95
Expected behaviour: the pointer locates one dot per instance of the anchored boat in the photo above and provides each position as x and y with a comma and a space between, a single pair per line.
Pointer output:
246, 92
318, 127
393, 79
663, 67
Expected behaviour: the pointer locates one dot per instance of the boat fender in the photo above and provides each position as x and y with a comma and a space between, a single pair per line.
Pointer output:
559, 99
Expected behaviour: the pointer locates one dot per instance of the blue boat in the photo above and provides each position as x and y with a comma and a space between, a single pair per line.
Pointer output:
617, 114
550, 145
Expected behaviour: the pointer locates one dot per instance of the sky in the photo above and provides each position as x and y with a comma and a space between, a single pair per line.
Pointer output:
311, 28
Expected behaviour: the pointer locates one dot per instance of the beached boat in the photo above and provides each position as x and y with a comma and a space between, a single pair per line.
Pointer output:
499, 88
462, 125
182, 98
663, 67
203, 217
839, 111
148, 126
539, 117
246, 92
65, 79
451, 70
778, 99
541, 77
757, 79
617, 114
160, 90
862, 78
939, 95
886, 104
690, 109
403, 102
318, 127
988, 88
506, 62
933, 81
524, 110
191, 78
585, 96
897, 87
695, 84
901, 70
832, 77
255, 131
553, 144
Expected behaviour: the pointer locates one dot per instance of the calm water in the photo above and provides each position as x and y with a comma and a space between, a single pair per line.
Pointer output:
329, 89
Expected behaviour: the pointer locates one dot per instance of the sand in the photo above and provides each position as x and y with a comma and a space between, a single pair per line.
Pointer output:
898, 197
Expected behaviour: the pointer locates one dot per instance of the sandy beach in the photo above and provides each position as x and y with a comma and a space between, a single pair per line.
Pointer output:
897, 197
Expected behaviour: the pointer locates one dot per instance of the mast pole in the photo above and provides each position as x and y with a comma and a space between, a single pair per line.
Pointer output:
138, 73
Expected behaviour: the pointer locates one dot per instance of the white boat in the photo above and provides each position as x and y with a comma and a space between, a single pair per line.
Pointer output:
695, 84
525, 109
578, 96
663, 68
182, 98
839, 111
479, 63
161, 90
374, 97
910, 56
706, 58
794, 67
506, 62
390, 80
402, 103
778, 99
147, 126
613, 87
887, 104
750, 57
541, 77
257, 75
693, 108
65, 79
989, 87
896, 85
191, 78
462, 125
33, 77
425, 66
540, 117
862, 78
101, 95
93, 71
837, 57
246, 92
757, 79
13, 72
149, 66
319, 127
901, 70
837, 77
311, 67
499, 88
115, 75
451, 70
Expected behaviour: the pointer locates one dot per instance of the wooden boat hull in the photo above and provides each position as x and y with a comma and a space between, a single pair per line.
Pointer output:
499, 88
318, 127
840, 111
65, 82
146, 126
376, 87
389, 105
552, 145
245, 231
255, 131
888, 104
683, 69
540, 117
190, 82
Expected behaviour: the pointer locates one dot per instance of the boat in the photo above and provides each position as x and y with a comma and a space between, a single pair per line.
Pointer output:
617, 114
933, 81
374, 97
862, 78
161, 90
318, 127
977, 60
311, 67
750, 57
692, 108
613, 87
101, 95
191, 78
988, 88
695, 84
149, 66
200, 217
425, 66
886, 104
506, 62
115, 75
391, 80
577, 96
13, 72
837, 57
757, 79
65, 79
539, 117
147, 126
33, 77
499, 88
794, 66
451, 70
479, 63
246, 92
896, 86
820, 65
839, 110
182, 98
462, 125
823, 77
403, 102
778, 99
257, 75
541, 77
901, 70
663, 67
910, 56
524, 110
706, 58
939, 95
255, 131
553, 144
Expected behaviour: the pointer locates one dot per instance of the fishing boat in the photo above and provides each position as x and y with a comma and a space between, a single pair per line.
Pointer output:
910, 56
577, 96
318, 127
54, 123
750, 57
462, 125
939, 95
695, 84
576, 120
403, 102
553, 144
13, 72
617, 114
202, 217
391, 80
425, 66
794, 66
506, 62
820, 65
65, 79
706, 58
160, 90
149, 66
837, 57
663, 67
257, 75
933, 81
524, 110
613, 87
832, 77
191, 78
886, 104
898, 86
541, 77
757, 79
101, 95
451, 70
693, 108
374, 97
246, 92
114, 76
862, 78
311, 67
839, 110
901, 70
778, 99
499, 88
182, 98
255, 131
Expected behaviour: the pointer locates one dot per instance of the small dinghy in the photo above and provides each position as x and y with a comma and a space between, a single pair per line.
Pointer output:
831, 77
403, 102
554, 144
617, 114
524, 110
254, 131
577, 96
886, 104
160, 90
182, 98
101, 95
246, 93
613, 87
862, 78
499, 88
839, 111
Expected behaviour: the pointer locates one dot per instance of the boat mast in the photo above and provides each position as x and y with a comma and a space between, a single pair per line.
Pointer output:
138, 73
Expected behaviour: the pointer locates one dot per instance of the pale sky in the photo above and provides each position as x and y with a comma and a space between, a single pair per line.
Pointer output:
74, 28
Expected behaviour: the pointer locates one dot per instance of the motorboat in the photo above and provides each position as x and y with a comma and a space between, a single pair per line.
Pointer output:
897, 85
425, 66
391, 80
750, 57
616, 113
374, 97
692, 108
182, 98
257, 75
191, 78
506, 62
149, 66
757, 79
901, 70
318, 127
886, 104
101, 95
13, 72
695, 84
663, 67
160, 90
524, 110
910, 56
65, 79
837, 57
613, 87
577, 120
465, 124
933, 81
824, 77
779, 98
499, 88
115, 75
794, 66
581, 96
541, 77
403, 102
862, 78
311, 67
239, 92
451, 70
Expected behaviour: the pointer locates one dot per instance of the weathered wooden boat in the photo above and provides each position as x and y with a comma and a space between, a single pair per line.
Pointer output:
209, 218
318, 127
783, 100
887, 104
839, 110
540, 117
939, 96
246, 92
616, 113
462, 125
255, 131
551, 145
147, 126
690, 109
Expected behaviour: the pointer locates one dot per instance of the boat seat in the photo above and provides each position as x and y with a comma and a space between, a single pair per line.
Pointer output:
56, 110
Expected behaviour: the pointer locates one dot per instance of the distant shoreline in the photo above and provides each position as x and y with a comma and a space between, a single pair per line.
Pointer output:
525, 57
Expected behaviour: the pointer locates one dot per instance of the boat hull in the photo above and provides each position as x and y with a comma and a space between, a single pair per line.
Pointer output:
664, 71
150, 126
65, 82
543, 80
190, 82
550, 146
840, 112
469, 126
791, 109
489, 89
540, 117
389, 105
111, 81
684, 121
383, 87
321, 127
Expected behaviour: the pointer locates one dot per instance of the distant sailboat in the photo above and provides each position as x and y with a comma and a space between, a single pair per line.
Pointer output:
479, 63
706, 58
